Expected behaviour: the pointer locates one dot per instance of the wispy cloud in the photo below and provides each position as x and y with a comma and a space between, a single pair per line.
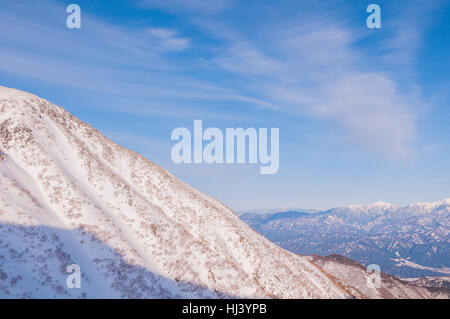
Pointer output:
306, 64
115, 60
315, 70
168, 39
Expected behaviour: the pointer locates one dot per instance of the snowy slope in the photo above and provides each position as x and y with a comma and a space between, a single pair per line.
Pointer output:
69, 195
352, 275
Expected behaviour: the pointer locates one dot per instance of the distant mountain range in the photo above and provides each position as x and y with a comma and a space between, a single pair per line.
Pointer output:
411, 241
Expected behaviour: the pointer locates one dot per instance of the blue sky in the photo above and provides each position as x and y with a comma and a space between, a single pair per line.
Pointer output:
363, 113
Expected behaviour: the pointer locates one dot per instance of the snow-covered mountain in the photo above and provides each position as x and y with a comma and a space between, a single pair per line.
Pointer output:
411, 241
68, 195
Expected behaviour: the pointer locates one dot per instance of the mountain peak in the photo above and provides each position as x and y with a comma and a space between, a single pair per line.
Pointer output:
10, 92
388, 206
430, 205
381, 205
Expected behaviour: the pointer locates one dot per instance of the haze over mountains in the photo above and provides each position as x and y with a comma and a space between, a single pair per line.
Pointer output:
411, 241
68, 195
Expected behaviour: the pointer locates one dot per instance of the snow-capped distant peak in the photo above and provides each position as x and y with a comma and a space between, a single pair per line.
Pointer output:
430, 205
381, 205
